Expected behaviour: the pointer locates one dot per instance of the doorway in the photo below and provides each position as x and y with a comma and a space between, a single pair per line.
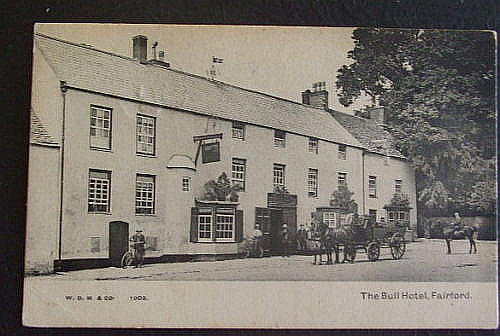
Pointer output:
118, 241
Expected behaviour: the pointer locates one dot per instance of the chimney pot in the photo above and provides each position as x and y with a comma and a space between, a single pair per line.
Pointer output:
140, 48
318, 97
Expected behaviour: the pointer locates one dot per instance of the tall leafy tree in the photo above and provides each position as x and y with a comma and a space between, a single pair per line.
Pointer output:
439, 91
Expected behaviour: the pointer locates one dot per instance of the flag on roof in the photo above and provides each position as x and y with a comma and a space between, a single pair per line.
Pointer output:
217, 60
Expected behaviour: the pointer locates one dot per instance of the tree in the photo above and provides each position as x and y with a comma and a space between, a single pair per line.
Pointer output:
438, 88
342, 199
221, 190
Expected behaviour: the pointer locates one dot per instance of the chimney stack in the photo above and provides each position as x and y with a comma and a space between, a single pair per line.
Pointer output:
140, 48
377, 114
318, 97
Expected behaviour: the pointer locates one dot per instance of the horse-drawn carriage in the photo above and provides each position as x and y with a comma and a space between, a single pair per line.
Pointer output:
371, 237
360, 233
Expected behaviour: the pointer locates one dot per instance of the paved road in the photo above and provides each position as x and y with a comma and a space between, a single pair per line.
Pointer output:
424, 260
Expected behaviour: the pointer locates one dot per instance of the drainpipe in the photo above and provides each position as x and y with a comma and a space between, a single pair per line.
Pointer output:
363, 179
64, 89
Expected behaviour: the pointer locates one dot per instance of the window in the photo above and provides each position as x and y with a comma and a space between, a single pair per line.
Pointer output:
329, 219
342, 152
100, 127
99, 191
205, 225
398, 186
279, 138
186, 183
151, 243
238, 130
216, 224
372, 213
95, 244
224, 228
278, 175
341, 180
372, 186
312, 182
238, 173
145, 194
313, 145
341, 219
145, 135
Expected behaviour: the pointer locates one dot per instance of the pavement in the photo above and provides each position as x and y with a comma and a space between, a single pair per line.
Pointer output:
424, 261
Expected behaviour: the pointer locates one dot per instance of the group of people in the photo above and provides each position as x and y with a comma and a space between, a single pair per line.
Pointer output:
284, 239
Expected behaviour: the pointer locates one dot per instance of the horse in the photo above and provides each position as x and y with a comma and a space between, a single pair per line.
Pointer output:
322, 244
451, 231
344, 235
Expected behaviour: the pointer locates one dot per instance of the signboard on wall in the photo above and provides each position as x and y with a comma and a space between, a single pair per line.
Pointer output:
210, 152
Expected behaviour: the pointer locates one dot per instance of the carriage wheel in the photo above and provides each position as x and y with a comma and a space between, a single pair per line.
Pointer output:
350, 253
127, 259
373, 251
398, 246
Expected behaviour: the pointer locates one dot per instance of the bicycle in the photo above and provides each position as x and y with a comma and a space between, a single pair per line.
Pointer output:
129, 257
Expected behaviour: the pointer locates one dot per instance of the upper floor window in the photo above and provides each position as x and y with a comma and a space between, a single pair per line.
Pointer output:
145, 135
145, 194
398, 186
312, 182
186, 183
342, 152
100, 127
341, 180
99, 191
279, 175
238, 130
372, 186
313, 145
279, 138
238, 173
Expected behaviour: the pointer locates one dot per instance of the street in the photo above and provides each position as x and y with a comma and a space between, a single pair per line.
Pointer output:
424, 261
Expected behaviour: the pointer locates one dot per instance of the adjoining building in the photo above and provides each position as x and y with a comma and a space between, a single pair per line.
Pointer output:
121, 156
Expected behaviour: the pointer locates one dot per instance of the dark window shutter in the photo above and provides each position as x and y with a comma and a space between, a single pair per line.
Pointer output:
194, 225
238, 229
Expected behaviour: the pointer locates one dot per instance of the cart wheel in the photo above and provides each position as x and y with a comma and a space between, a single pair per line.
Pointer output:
127, 259
350, 253
398, 246
373, 251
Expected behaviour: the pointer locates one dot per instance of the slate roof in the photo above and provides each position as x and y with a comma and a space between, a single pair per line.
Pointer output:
38, 133
372, 135
87, 68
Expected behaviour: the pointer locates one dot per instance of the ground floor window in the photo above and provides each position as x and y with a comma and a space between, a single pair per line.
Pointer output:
99, 191
329, 219
216, 224
224, 229
205, 225
145, 194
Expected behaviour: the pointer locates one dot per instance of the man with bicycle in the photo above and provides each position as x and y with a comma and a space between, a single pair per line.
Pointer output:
138, 242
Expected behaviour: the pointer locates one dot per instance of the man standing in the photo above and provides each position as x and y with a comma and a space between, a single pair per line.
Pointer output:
284, 239
257, 236
139, 242
302, 238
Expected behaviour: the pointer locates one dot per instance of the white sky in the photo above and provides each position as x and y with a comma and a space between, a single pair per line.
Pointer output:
281, 61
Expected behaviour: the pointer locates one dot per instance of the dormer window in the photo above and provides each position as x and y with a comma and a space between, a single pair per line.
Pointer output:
313, 145
342, 152
238, 130
279, 138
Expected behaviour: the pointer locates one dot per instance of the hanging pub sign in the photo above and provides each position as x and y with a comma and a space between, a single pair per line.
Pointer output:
210, 152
